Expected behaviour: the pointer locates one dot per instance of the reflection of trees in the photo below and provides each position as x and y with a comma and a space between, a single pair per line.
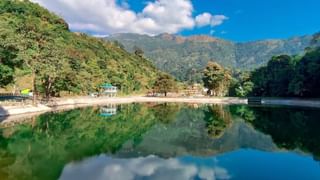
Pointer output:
41, 151
218, 118
166, 113
290, 128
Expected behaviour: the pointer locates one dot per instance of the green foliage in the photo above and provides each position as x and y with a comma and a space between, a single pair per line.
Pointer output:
164, 84
216, 79
274, 79
178, 55
286, 76
241, 85
62, 61
6, 75
307, 78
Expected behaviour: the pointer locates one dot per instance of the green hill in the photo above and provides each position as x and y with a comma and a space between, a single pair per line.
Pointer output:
180, 56
37, 45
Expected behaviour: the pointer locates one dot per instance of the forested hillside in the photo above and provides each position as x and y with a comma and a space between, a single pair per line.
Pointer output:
36, 45
186, 57
289, 76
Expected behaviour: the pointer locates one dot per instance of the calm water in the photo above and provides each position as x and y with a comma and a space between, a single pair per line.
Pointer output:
164, 141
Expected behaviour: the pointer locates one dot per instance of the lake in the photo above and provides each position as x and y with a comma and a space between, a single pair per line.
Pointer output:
164, 141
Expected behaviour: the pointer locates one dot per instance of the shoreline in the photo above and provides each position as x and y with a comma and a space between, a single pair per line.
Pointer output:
76, 102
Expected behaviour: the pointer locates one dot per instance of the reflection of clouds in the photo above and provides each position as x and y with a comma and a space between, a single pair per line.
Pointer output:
151, 167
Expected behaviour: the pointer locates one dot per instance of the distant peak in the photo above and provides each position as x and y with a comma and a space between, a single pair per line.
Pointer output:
181, 39
166, 36
171, 37
202, 38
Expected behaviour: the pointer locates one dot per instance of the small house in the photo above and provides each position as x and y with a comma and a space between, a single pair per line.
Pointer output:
109, 90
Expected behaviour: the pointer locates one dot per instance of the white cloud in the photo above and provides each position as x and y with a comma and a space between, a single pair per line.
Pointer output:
209, 19
203, 19
108, 17
217, 20
151, 167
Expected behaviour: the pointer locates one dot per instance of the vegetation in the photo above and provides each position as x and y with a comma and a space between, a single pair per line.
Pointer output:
216, 79
36, 43
164, 84
179, 55
287, 76
241, 85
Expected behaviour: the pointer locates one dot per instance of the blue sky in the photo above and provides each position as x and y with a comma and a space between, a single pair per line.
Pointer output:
257, 19
237, 20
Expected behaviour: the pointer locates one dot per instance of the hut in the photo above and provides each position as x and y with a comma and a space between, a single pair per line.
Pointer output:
109, 90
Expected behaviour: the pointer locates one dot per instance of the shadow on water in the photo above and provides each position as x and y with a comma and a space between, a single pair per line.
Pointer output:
290, 128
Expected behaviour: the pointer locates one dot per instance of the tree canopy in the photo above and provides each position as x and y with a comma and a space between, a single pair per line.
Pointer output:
216, 79
39, 43
164, 84
287, 76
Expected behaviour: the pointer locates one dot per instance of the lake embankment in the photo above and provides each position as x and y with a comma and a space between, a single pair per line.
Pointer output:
70, 103
76, 102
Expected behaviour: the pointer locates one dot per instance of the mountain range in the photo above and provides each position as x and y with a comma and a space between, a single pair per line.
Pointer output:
185, 57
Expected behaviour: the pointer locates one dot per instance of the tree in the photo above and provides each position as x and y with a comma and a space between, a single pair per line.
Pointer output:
216, 79
306, 80
245, 89
164, 84
241, 85
274, 79
8, 52
36, 44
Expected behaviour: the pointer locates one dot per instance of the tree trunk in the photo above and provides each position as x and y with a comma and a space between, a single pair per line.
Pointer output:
165, 94
34, 91
48, 88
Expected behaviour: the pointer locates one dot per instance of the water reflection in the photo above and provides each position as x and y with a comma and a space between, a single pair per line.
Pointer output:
108, 110
158, 135
150, 167
290, 128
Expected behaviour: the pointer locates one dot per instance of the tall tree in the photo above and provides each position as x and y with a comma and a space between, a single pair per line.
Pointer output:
216, 79
274, 79
8, 52
307, 78
164, 84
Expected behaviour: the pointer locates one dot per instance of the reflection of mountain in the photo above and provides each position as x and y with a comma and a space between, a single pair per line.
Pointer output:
137, 130
290, 128
187, 136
